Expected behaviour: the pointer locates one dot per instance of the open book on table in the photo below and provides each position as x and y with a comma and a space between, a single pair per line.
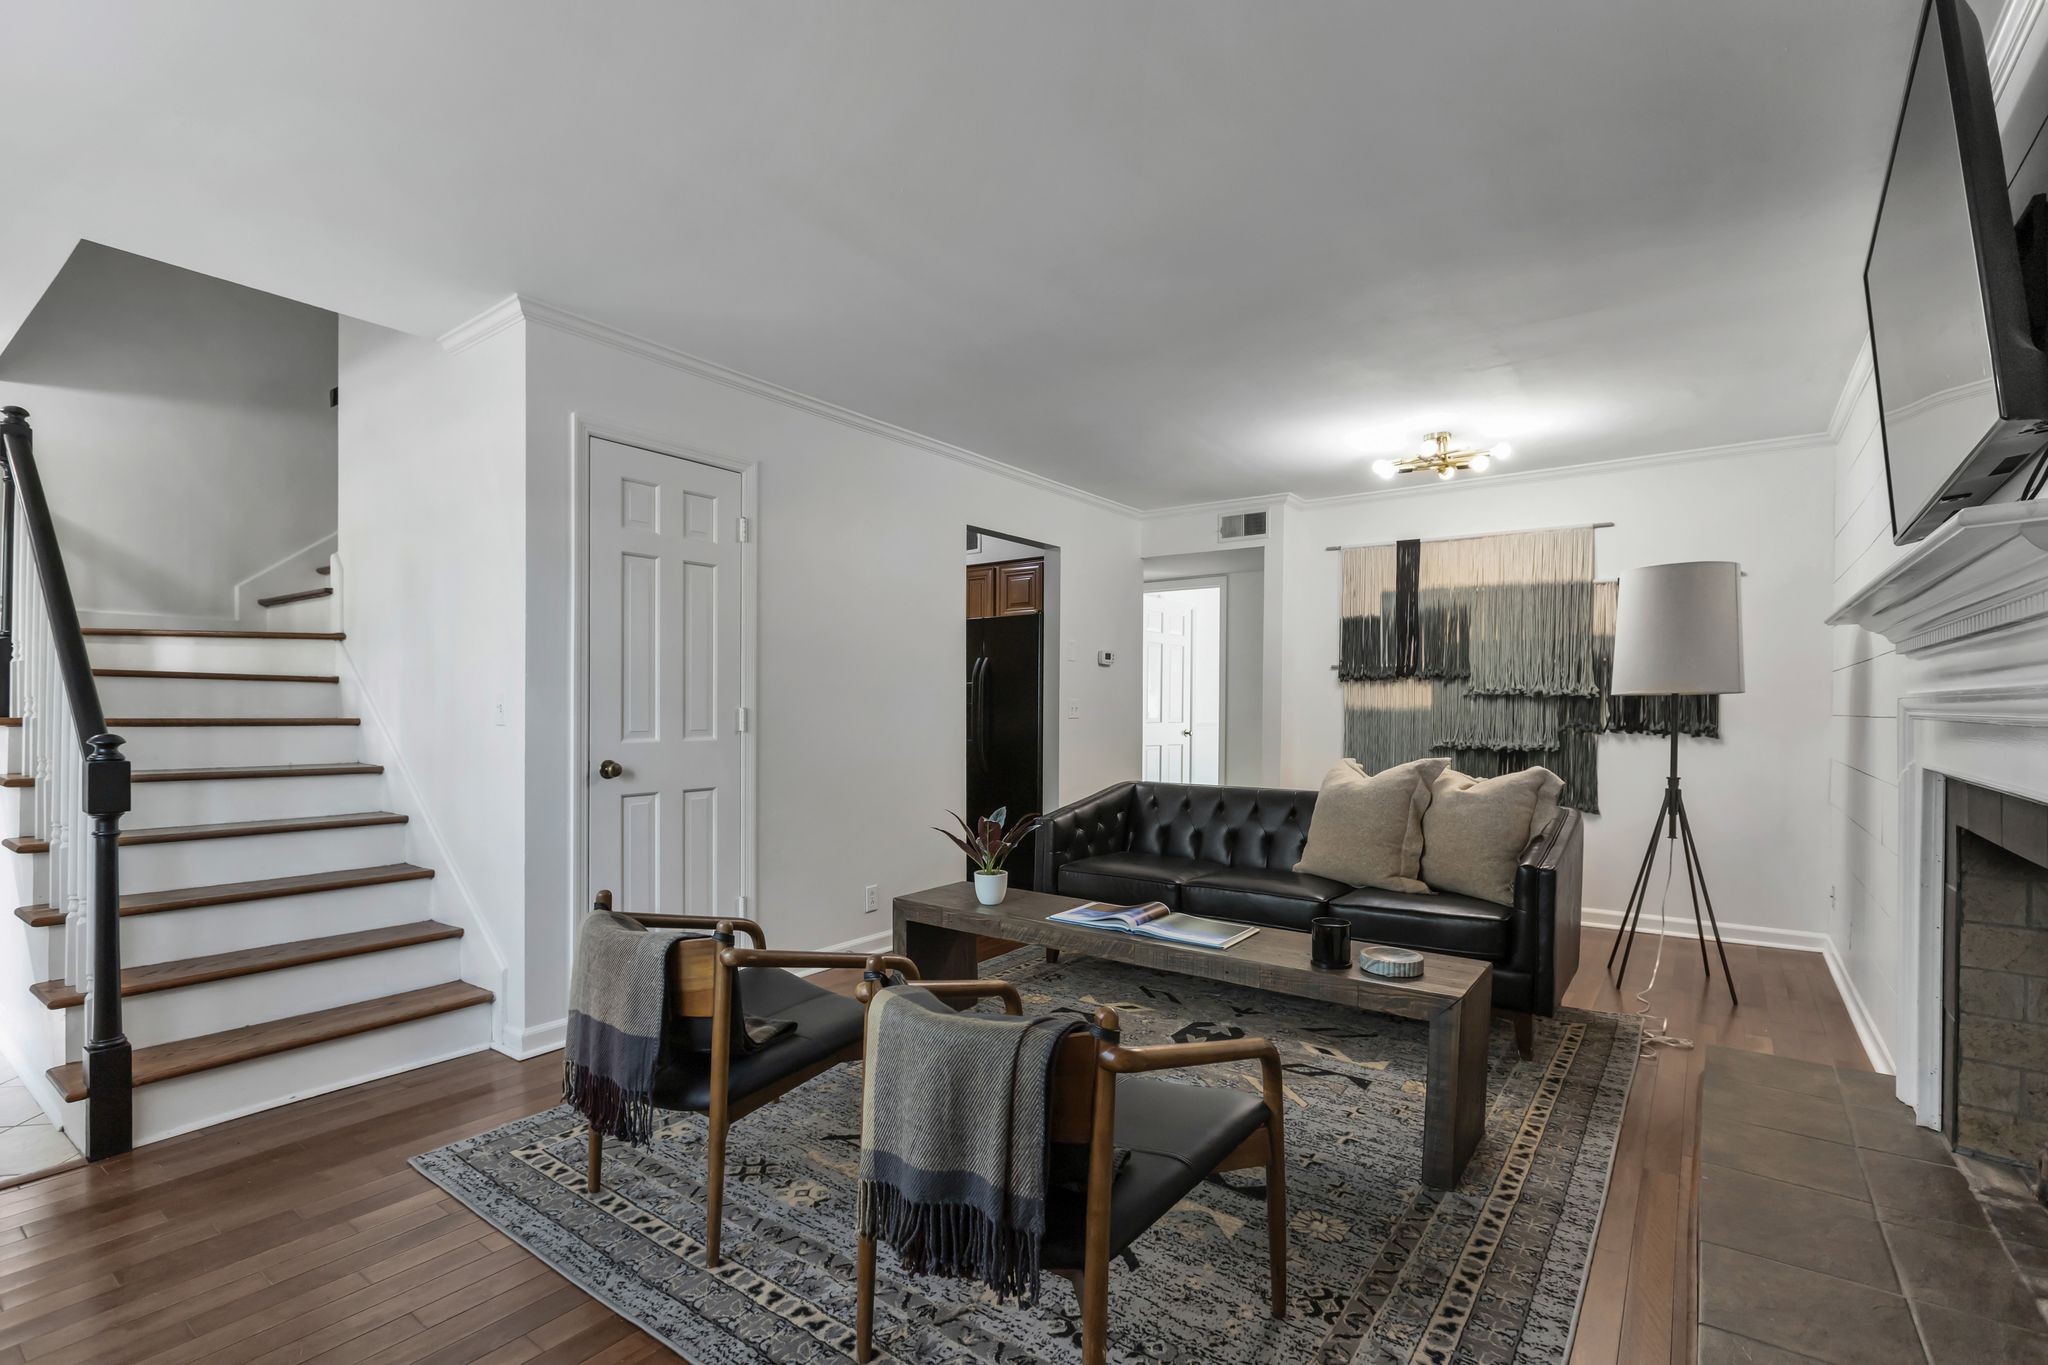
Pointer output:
1156, 921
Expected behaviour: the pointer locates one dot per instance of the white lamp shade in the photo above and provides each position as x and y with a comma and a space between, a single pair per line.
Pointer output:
1678, 630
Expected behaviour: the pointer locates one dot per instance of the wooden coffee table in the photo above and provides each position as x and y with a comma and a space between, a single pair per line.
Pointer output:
937, 930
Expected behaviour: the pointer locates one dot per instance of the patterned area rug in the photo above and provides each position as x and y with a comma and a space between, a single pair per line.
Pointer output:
1381, 1269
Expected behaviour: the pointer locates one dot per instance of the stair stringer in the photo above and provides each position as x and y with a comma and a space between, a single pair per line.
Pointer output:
31, 1037
483, 961
295, 570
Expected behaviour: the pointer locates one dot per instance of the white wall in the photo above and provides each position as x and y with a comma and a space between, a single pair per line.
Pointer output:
1244, 679
432, 534
861, 651
1755, 795
183, 430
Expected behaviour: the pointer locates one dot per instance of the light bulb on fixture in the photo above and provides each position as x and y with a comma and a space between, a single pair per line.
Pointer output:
1447, 474
1503, 451
1428, 447
1384, 468
1480, 462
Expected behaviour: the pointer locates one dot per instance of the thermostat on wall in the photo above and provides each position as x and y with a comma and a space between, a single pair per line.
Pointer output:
1104, 658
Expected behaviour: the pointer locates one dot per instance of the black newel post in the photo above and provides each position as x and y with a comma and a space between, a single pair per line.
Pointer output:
109, 1066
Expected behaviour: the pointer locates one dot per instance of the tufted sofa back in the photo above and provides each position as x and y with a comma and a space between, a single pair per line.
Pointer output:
1253, 827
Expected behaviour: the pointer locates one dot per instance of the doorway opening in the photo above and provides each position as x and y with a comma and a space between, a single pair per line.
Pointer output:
1202, 696
1012, 630
1183, 726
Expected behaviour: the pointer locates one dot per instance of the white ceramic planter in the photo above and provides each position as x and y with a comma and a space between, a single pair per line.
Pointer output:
991, 887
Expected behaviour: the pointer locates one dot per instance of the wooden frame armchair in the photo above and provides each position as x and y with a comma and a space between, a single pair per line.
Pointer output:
699, 1072
1177, 1136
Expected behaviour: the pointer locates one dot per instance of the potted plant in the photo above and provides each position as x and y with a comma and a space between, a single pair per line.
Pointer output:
989, 846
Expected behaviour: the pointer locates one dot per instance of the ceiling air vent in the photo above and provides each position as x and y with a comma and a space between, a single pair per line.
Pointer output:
1240, 525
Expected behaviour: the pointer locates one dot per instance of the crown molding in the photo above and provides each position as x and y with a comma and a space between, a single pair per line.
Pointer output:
2008, 41
517, 308
1861, 372
1814, 441
483, 326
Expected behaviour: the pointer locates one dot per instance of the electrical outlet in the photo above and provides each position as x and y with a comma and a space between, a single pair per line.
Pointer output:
498, 712
873, 902
1073, 709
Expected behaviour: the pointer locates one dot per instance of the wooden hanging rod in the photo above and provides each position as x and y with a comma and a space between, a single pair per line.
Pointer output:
1529, 531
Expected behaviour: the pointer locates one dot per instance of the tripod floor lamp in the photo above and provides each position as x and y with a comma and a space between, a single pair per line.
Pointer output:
1677, 632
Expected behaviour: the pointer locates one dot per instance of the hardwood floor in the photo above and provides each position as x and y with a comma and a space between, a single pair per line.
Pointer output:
302, 1235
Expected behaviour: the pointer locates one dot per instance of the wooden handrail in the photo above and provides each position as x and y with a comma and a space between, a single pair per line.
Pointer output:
109, 1064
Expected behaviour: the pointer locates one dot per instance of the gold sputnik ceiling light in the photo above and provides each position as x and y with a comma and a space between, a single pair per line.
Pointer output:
1438, 458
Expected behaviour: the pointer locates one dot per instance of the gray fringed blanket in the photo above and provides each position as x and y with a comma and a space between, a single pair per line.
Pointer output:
618, 999
954, 1143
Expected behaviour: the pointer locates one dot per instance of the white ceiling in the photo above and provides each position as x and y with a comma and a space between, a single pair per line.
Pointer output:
1163, 250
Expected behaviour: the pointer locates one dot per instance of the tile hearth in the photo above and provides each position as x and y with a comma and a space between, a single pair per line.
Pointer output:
1832, 1228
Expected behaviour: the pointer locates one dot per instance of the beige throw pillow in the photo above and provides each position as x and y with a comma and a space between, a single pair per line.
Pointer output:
1367, 830
1473, 832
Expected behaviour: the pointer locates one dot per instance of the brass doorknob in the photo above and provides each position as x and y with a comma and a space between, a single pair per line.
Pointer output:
609, 769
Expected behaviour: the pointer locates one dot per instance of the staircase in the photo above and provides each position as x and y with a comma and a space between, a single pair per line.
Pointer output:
275, 941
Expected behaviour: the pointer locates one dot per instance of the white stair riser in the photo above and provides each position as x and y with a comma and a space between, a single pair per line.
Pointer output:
315, 614
217, 801
235, 746
208, 862
215, 1006
208, 654
203, 930
205, 697
177, 1106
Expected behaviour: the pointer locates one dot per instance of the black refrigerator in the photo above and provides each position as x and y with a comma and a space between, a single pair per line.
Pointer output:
1006, 726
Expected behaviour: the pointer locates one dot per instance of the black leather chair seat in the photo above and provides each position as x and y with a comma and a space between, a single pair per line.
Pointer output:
1175, 1133
1438, 922
1259, 895
1132, 878
825, 1022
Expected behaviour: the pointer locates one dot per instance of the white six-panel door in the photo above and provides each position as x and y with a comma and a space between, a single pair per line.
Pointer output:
664, 682
1169, 690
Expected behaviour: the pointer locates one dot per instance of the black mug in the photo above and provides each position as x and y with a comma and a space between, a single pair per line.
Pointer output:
1329, 942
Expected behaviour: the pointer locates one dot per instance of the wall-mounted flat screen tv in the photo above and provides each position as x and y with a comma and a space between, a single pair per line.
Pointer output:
1961, 385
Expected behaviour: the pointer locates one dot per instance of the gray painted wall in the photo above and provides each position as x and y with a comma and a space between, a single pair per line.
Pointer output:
182, 430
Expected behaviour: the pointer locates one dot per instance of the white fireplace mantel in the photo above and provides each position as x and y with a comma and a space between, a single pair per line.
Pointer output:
1983, 570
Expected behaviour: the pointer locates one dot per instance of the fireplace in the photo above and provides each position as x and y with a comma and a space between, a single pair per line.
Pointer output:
1994, 1025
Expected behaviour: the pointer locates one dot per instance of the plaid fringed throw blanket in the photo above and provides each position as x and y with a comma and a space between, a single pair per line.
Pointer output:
618, 998
954, 1143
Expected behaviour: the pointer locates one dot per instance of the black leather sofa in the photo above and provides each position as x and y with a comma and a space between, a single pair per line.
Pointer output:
1229, 853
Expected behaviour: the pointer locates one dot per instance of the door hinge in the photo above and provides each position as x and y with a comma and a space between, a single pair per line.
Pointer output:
743, 718
746, 529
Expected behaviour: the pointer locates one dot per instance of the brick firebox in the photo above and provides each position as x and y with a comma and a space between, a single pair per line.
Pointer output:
1996, 1020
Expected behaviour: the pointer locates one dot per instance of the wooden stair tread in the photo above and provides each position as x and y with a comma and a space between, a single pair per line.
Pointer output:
304, 595
194, 971
229, 774
166, 1061
156, 632
216, 677
230, 893
255, 771
231, 829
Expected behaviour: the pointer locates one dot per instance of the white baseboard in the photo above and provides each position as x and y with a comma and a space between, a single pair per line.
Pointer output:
878, 942
531, 1042
1754, 935
1769, 936
1859, 1014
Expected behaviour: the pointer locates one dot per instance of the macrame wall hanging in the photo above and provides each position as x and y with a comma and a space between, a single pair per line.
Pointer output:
1494, 651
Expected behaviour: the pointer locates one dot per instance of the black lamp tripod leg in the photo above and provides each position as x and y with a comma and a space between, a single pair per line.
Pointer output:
1633, 915
1692, 885
1692, 858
